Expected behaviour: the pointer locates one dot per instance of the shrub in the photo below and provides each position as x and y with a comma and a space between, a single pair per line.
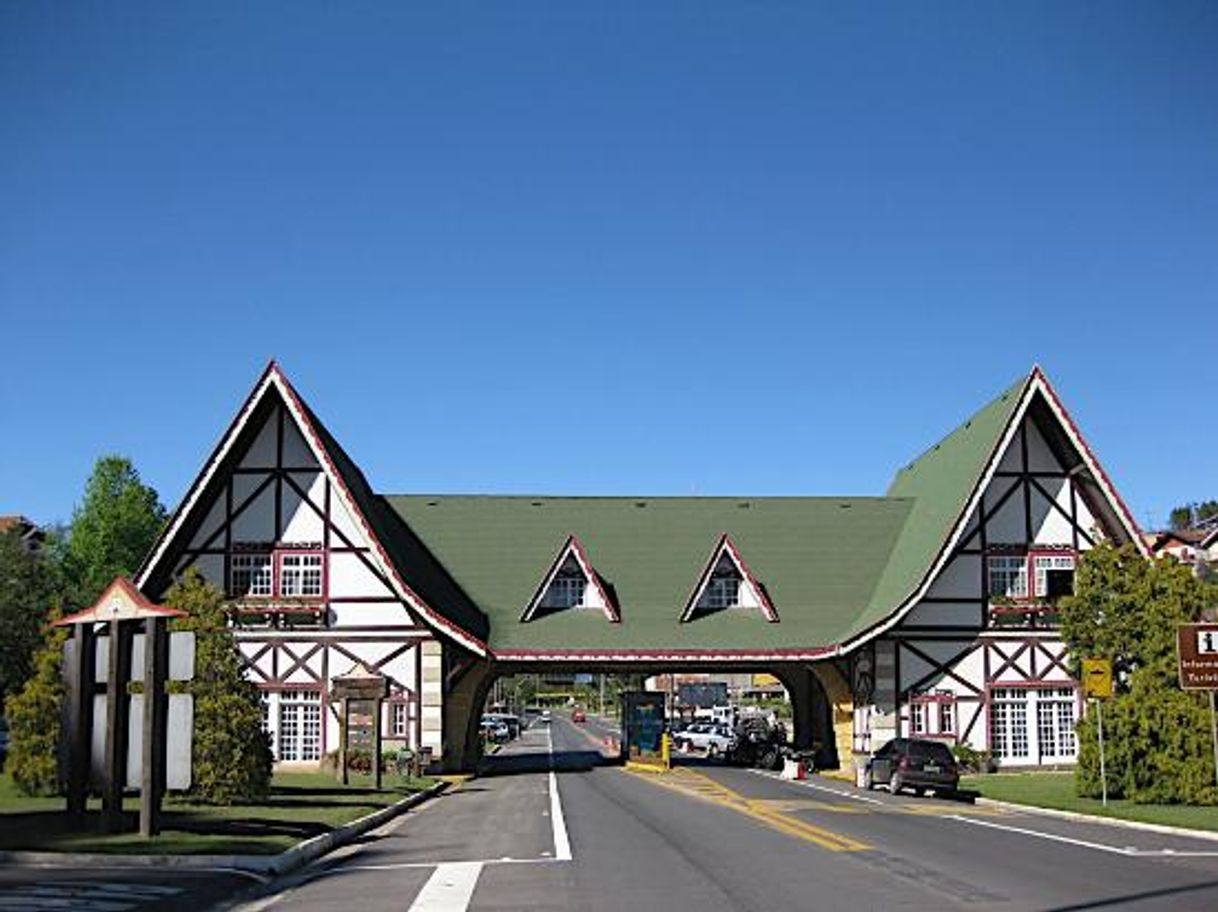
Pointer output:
232, 754
34, 717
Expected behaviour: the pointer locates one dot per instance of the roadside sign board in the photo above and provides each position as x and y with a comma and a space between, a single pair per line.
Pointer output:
1197, 647
1097, 679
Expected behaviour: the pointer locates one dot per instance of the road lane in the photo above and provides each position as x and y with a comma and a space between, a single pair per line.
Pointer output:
737, 840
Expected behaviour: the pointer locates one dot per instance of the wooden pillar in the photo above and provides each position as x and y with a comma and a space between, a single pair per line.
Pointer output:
118, 707
80, 716
343, 727
155, 735
376, 743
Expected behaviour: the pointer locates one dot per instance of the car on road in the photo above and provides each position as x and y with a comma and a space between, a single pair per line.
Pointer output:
914, 763
579, 716
714, 739
544, 718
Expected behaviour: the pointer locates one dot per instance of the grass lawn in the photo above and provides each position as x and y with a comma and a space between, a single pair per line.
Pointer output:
301, 805
1056, 790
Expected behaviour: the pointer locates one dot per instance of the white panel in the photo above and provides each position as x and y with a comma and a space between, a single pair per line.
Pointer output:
355, 614
1087, 521
182, 656
1040, 457
954, 614
181, 725
244, 486
301, 522
213, 521
97, 751
296, 452
1007, 526
1049, 526
257, 523
351, 578
961, 578
263, 451
342, 520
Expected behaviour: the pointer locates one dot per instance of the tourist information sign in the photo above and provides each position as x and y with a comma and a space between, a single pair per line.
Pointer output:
1197, 651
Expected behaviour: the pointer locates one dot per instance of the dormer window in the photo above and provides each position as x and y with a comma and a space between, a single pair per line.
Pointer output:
568, 587
723, 590
570, 583
1008, 576
726, 583
1054, 575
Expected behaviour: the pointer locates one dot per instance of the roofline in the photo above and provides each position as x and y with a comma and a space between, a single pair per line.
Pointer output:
709, 656
1036, 381
273, 375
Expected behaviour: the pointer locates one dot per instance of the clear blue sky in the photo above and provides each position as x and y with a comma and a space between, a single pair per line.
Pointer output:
606, 248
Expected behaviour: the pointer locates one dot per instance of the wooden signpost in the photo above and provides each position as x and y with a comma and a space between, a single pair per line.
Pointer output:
362, 691
1197, 654
122, 609
1097, 686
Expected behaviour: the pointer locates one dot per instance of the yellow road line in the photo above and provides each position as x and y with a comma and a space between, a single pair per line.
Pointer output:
697, 785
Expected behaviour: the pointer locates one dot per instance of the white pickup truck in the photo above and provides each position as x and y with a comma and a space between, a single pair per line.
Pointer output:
713, 739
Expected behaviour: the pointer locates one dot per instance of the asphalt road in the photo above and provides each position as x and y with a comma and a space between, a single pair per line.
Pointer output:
548, 828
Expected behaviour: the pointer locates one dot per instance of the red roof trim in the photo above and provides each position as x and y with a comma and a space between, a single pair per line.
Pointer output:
1110, 488
129, 589
307, 425
785, 653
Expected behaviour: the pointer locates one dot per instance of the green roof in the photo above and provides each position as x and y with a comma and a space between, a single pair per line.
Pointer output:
834, 567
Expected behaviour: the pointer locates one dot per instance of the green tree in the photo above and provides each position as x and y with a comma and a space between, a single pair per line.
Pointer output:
29, 584
232, 754
33, 717
113, 528
1126, 609
1188, 515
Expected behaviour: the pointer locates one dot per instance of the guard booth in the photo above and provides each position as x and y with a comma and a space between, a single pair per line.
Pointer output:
644, 736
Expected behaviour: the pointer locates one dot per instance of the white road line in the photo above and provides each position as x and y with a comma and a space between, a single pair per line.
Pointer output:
449, 889
562, 842
1127, 851
820, 788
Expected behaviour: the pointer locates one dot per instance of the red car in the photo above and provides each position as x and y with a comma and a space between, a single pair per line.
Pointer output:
578, 716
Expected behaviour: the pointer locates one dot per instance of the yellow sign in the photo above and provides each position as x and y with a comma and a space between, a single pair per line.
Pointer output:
1097, 678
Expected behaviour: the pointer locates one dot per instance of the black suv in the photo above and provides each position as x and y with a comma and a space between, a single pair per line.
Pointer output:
923, 766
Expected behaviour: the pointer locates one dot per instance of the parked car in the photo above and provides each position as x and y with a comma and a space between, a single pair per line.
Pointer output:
495, 731
714, 739
921, 765
579, 716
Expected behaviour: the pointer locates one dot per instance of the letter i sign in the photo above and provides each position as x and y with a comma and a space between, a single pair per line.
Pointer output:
1207, 642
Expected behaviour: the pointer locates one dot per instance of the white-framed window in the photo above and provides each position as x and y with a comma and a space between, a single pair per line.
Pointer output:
300, 725
1054, 574
1008, 576
1033, 724
917, 718
947, 717
251, 575
300, 575
399, 720
723, 587
568, 587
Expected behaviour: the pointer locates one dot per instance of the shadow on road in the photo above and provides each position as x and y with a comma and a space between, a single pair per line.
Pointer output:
574, 761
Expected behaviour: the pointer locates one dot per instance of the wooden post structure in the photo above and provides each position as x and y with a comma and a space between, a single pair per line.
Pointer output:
80, 716
121, 607
118, 708
156, 712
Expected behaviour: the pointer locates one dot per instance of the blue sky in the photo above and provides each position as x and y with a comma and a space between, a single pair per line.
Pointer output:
606, 248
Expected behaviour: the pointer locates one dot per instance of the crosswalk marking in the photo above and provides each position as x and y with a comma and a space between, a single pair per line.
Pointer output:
449, 889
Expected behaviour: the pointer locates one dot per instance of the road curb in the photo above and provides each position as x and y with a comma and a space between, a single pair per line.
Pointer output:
1161, 828
257, 866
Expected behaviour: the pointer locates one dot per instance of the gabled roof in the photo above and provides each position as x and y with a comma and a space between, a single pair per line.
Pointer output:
393, 545
843, 569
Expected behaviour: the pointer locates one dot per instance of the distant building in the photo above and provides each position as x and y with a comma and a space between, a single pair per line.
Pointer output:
1185, 545
31, 536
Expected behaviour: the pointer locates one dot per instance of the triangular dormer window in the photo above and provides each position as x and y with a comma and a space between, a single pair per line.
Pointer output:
570, 583
725, 584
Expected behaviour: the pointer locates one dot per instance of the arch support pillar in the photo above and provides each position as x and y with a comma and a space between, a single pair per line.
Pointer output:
465, 692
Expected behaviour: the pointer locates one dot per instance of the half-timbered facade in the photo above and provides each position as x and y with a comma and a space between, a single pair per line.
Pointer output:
928, 611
